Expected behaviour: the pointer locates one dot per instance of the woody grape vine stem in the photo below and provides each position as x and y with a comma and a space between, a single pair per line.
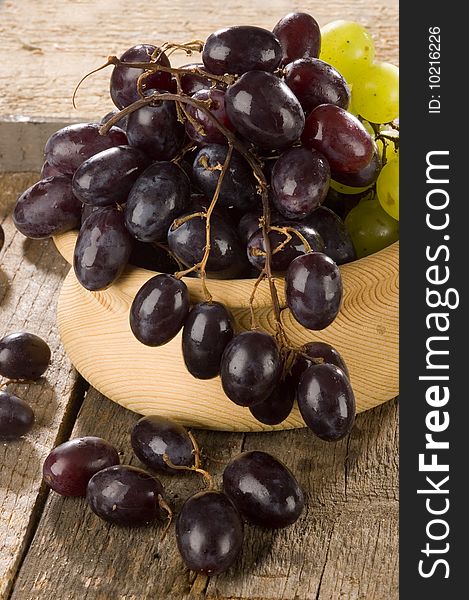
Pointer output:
233, 142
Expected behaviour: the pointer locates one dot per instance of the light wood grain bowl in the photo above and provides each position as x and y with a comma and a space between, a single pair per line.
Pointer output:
94, 327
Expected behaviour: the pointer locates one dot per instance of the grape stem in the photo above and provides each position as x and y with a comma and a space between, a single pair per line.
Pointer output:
202, 265
262, 276
154, 67
205, 474
208, 245
165, 506
247, 155
197, 462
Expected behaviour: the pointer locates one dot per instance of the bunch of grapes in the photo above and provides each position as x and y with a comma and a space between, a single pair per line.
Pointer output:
257, 488
238, 166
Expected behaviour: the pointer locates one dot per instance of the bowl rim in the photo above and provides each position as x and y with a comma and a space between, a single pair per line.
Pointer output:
235, 293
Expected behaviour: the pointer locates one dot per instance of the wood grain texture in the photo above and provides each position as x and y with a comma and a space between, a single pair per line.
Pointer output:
341, 547
95, 331
31, 274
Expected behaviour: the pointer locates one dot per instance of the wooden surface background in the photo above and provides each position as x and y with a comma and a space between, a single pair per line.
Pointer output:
345, 544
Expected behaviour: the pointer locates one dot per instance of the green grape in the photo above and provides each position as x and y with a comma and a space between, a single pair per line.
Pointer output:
371, 228
347, 46
387, 188
376, 93
351, 107
346, 189
369, 127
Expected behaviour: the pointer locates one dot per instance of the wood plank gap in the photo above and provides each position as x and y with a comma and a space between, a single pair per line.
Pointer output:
77, 397
346, 466
325, 562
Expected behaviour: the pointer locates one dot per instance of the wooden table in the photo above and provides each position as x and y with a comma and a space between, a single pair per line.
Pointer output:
345, 544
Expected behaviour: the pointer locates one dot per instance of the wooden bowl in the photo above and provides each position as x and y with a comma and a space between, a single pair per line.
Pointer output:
94, 327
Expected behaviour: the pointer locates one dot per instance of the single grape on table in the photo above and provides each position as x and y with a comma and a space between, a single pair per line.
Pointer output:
263, 490
125, 495
23, 356
155, 438
70, 466
16, 416
209, 532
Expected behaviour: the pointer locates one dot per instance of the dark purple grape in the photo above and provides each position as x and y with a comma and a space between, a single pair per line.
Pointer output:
193, 83
364, 177
67, 148
240, 49
122, 123
299, 35
152, 437
102, 250
70, 466
23, 355
337, 240
250, 367
155, 130
313, 288
239, 187
159, 310
209, 532
248, 225
107, 177
276, 408
300, 180
47, 208
340, 136
16, 416
152, 257
264, 110
326, 401
48, 170
263, 490
158, 196
86, 211
209, 133
227, 258
200, 203
315, 82
123, 86
207, 331
309, 352
283, 253
125, 495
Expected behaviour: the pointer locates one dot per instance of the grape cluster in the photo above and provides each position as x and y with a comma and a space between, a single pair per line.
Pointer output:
257, 488
242, 165
24, 357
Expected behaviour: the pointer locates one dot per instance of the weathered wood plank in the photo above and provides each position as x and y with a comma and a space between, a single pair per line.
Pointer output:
31, 273
22, 143
341, 545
